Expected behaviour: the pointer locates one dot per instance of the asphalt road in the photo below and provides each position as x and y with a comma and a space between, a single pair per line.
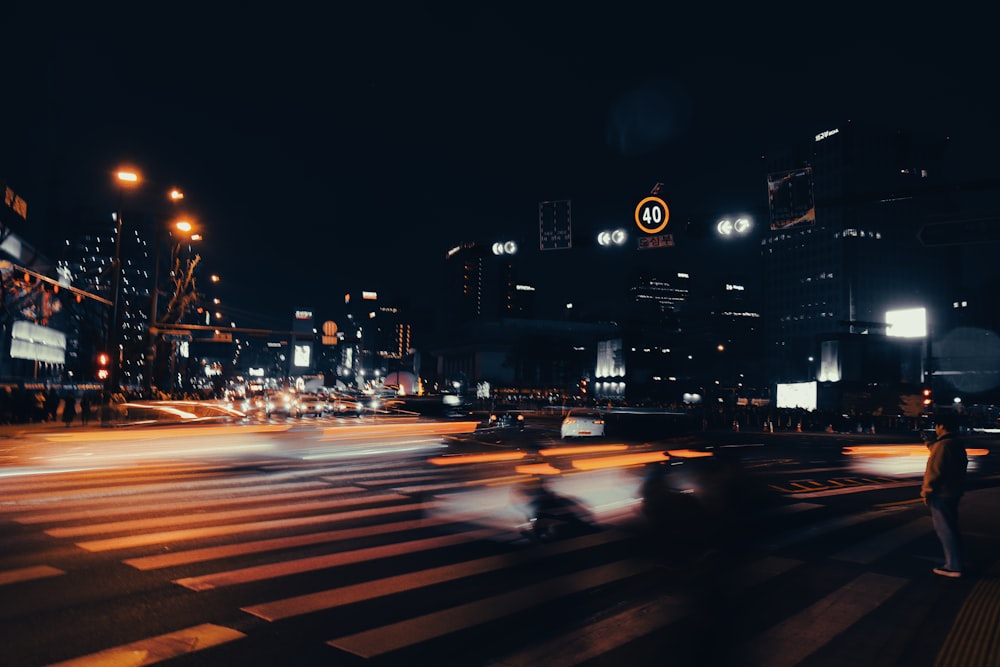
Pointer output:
411, 549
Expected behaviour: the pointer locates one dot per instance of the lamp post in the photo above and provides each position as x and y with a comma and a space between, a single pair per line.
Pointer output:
125, 178
185, 228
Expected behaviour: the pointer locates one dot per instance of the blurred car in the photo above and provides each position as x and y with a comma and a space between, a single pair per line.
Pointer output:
579, 423
312, 405
344, 405
253, 406
281, 404
514, 420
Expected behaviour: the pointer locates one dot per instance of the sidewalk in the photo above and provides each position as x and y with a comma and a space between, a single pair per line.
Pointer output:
974, 635
27, 428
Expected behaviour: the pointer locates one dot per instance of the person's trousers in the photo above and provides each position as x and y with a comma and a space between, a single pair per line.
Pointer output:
944, 514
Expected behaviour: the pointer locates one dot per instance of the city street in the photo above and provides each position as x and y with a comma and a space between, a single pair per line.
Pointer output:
367, 543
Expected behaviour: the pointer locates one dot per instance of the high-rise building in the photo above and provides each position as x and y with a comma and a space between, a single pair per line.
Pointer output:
843, 249
464, 285
662, 298
482, 283
89, 265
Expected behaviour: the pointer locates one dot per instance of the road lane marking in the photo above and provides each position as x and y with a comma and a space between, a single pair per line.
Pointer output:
595, 640
861, 488
208, 517
164, 479
189, 556
392, 637
187, 534
46, 490
794, 508
161, 504
762, 570
367, 475
300, 565
368, 590
29, 573
156, 649
872, 549
823, 527
793, 640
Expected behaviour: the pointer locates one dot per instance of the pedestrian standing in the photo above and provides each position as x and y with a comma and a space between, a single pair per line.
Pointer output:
69, 409
943, 487
51, 405
85, 409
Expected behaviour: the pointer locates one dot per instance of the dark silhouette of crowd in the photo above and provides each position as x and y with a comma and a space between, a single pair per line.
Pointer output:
26, 405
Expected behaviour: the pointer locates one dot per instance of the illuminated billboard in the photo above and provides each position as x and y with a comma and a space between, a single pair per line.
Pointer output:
302, 355
610, 359
906, 323
801, 395
37, 343
790, 197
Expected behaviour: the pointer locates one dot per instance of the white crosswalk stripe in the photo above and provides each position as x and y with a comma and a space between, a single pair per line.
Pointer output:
317, 522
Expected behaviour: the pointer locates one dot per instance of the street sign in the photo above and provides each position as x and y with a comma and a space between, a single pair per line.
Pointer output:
555, 225
656, 241
960, 232
652, 215
171, 334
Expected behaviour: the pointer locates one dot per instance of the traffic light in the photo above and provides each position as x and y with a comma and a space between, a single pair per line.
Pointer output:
103, 362
928, 398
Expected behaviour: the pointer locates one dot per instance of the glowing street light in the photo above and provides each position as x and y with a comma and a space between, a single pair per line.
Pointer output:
615, 237
185, 228
735, 226
126, 178
505, 248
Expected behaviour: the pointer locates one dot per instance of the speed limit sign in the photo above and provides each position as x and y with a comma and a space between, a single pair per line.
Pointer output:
651, 215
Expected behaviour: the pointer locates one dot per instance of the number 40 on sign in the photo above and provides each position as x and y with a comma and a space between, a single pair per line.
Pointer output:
652, 215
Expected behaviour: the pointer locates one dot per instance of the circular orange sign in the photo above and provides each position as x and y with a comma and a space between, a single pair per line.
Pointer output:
652, 215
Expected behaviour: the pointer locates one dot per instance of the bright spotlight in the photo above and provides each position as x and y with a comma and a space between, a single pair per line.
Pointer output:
730, 227
609, 238
504, 248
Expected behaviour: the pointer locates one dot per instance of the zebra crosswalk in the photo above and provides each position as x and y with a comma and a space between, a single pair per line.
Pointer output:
365, 562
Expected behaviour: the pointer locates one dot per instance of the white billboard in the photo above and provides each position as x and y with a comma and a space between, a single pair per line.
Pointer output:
906, 323
302, 355
37, 343
800, 395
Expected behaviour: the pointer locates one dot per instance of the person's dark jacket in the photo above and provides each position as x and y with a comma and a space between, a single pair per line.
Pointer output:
944, 476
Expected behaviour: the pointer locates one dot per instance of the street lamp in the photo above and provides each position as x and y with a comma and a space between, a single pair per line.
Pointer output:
615, 237
186, 228
126, 178
734, 226
505, 248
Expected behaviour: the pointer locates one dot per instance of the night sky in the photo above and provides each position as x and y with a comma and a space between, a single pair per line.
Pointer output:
329, 149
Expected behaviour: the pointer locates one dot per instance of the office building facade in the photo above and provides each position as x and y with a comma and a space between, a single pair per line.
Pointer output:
843, 246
